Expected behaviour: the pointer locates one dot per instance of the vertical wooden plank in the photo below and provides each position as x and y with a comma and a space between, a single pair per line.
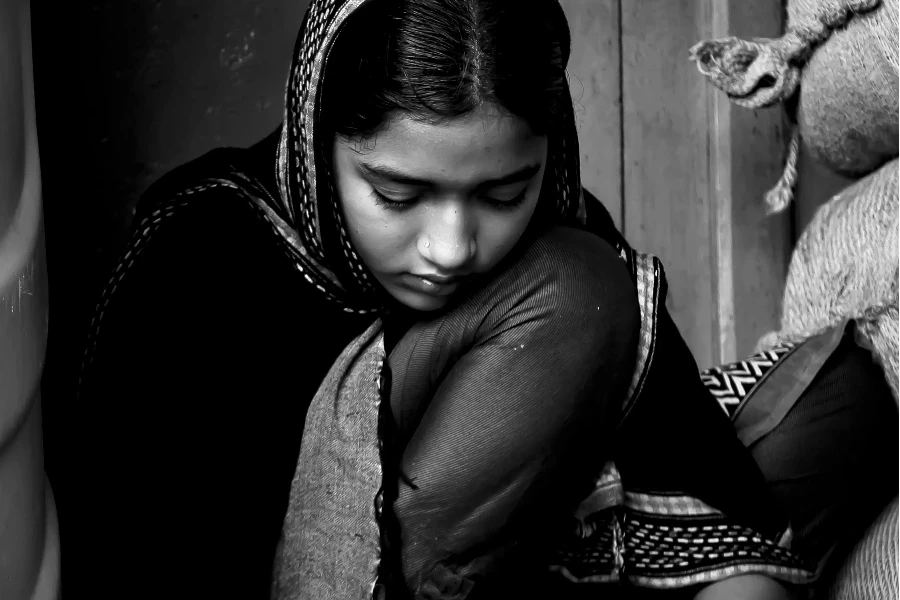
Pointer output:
760, 244
696, 170
666, 154
594, 74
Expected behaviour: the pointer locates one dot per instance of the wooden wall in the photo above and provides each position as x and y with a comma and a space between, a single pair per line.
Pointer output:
683, 171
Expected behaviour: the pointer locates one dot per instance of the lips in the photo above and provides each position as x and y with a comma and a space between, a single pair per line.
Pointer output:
433, 285
439, 279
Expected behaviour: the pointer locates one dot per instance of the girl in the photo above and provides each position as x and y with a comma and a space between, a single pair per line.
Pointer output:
426, 179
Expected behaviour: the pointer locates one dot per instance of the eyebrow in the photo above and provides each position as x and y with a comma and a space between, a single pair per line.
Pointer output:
388, 173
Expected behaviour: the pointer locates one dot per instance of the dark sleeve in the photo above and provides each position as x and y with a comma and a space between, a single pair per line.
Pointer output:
186, 433
493, 459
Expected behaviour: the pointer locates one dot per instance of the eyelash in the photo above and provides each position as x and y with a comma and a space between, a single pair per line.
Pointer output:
389, 204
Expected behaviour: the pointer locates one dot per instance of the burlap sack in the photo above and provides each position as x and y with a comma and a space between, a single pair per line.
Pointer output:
848, 105
842, 57
845, 265
870, 572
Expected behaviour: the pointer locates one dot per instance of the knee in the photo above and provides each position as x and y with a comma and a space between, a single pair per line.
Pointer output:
578, 268
579, 281
745, 587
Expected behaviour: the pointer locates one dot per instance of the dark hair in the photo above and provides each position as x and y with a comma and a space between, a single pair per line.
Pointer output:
438, 59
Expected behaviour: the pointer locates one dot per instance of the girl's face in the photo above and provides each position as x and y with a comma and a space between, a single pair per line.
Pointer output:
431, 207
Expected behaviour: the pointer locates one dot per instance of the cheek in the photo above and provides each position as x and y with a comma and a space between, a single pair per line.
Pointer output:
499, 232
376, 234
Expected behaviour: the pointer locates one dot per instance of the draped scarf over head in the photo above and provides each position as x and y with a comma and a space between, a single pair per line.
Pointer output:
306, 211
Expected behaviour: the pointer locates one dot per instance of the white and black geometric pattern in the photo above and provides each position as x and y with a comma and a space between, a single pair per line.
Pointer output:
654, 550
663, 552
731, 384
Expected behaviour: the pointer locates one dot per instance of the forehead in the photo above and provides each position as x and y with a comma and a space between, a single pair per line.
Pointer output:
480, 145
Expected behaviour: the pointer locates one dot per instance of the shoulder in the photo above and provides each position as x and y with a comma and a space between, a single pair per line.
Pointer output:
203, 277
198, 189
196, 241
196, 212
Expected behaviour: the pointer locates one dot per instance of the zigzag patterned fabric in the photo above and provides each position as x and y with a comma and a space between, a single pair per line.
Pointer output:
731, 384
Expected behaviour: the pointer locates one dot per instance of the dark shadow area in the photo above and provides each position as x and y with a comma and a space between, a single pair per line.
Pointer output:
125, 91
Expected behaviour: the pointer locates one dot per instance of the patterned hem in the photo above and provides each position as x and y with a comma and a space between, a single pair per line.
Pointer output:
674, 542
781, 573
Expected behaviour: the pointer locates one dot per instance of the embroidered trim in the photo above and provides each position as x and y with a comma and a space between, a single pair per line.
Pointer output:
647, 274
664, 541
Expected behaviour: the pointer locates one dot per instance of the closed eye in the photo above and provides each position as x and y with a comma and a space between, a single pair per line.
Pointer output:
503, 201
395, 203
507, 203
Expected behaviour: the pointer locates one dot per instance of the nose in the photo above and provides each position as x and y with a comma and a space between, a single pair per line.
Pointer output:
447, 240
